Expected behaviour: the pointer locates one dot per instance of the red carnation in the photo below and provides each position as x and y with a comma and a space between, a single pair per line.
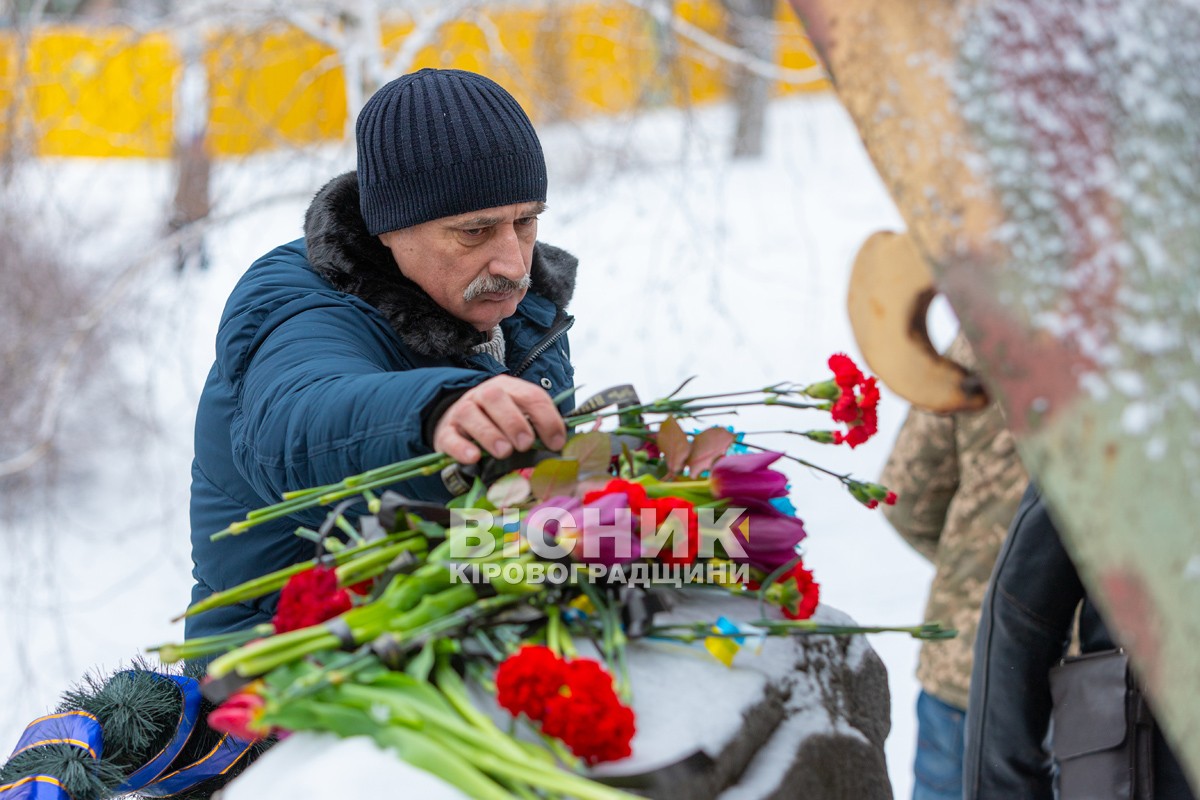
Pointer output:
526, 679
801, 593
846, 373
634, 491
663, 507
587, 715
858, 411
309, 598
593, 729
845, 408
573, 700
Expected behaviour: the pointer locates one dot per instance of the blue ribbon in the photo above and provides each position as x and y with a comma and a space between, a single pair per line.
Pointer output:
34, 787
82, 730
76, 728
189, 714
218, 761
730, 628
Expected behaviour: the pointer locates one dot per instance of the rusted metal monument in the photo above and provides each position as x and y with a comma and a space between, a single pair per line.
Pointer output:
1046, 160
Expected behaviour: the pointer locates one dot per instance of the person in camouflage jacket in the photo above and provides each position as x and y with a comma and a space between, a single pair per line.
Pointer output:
958, 481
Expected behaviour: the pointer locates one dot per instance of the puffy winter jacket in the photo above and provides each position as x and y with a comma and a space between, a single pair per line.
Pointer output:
329, 362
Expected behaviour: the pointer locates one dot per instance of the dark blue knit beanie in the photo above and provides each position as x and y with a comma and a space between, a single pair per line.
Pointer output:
441, 142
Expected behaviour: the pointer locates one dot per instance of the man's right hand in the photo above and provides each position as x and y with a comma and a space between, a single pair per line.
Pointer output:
502, 415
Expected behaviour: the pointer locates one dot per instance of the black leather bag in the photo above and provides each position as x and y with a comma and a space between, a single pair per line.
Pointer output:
1102, 732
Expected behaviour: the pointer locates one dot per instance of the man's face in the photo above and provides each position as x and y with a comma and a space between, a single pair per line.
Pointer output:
475, 266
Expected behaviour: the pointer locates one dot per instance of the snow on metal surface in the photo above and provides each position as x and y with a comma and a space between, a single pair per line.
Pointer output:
1085, 116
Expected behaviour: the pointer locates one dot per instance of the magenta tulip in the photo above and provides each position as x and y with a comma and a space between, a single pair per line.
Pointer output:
748, 477
772, 536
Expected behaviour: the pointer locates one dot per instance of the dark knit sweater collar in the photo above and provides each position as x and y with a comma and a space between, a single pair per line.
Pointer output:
341, 251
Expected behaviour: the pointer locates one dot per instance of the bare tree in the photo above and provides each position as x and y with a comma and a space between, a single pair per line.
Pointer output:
749, 24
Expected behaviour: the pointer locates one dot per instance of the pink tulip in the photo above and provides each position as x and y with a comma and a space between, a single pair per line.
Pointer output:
239, 716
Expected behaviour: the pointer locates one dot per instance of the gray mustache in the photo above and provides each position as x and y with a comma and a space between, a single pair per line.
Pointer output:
487, 284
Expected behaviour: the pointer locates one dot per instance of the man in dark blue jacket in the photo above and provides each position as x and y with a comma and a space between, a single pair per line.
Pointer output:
418, 313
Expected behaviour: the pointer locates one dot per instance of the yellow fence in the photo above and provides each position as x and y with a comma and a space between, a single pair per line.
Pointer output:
112, 92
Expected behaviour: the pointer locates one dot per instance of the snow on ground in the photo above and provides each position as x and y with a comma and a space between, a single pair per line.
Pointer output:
690, 265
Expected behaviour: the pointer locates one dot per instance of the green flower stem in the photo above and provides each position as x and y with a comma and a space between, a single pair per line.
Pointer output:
557, 638
451, 622
264, 656
843, 478
776, 389
365, 622
207, 645
455, 691
616, 642
345, 527
612, 641
448, 729
369, 475
691, 406
343, 667
376, 563
388, 470
676, 488
520, 790
412, 746
690, 632
427, 752
546, 777
775, 401
379, 483
274, 581
624, 682
354, 485
559, 750
314, 490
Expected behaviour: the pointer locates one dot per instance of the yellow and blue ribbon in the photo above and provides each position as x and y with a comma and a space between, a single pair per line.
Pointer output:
189, 715
35, 787
227, 752
77, 729
81, 730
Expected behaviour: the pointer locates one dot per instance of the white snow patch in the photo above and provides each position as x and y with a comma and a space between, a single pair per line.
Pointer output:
1137, 418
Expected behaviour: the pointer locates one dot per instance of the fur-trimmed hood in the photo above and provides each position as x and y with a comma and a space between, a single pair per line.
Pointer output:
341, 251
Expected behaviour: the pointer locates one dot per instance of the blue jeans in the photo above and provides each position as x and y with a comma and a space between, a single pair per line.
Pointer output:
938, 770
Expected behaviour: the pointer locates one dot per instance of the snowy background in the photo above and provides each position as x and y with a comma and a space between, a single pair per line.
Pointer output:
691, 264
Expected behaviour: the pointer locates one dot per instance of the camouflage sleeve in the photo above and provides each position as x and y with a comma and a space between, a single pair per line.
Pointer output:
923, 472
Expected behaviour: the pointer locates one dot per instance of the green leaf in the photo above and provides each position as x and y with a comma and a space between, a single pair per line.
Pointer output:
674, 444
707, 447
477, 491
509, 491
471, 498
422, 663
554, 477
592, 450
